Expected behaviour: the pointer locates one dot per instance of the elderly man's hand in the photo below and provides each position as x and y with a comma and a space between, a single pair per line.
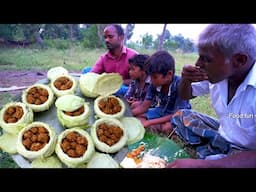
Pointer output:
189, 163
193, 74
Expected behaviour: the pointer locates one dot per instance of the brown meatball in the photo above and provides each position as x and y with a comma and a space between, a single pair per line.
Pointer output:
27, 143
43, 137
36, 146
80, 149
82, 140
65, 145
71, 136
71, 153
27, 134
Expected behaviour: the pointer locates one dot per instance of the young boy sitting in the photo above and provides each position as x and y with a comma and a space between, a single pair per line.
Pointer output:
140, 80
163, 87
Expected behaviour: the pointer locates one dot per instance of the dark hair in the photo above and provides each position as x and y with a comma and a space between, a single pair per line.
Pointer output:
139, 60
119, 29
160, 62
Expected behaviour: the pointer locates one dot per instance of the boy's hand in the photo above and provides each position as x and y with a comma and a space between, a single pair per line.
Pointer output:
131, 100
192, 73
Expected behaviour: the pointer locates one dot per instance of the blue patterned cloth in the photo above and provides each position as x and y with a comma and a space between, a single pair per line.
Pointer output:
200, 130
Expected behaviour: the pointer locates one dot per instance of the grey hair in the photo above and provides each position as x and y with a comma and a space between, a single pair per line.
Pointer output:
230, 39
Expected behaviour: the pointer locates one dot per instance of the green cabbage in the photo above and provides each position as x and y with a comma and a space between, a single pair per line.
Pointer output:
55, 72
47, 162
46, 151
102, 160
43, 107
101, 146
134, 129
8, 143
14, 128
100, 114
86, 84
108, 83
69, 102
58, 92
75, 162
92, 84
80, 121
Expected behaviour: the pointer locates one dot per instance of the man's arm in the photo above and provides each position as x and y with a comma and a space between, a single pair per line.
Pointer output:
98, 66
185, 89
245, 159
189, 74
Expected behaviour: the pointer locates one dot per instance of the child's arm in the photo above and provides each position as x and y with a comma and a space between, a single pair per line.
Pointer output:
156, 121
141, 109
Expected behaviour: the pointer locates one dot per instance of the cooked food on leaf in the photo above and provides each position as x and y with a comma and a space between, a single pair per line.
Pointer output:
74, 147
109, 135
14, 116
38, 97
37, 139
138, 158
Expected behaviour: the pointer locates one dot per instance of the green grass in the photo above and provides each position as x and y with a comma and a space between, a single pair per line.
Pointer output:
203, 105
75, 59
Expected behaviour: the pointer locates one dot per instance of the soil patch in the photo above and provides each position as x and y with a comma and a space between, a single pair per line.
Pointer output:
9, 78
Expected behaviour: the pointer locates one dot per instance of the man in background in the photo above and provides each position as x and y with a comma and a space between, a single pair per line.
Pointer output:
115, 60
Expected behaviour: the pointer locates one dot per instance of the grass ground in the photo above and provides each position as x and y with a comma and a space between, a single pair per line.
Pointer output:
76, 59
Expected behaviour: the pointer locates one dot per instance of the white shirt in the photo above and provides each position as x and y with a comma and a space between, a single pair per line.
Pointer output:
238, 118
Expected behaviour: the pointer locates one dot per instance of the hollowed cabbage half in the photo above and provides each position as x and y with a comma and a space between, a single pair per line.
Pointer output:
78, 161
14, 128
46, 151
70, 103
8, 143
101, 114
101, 146
47, 162
56, 71
102, 160
42, 107
134, 128
92, 84
58, 92
108, 83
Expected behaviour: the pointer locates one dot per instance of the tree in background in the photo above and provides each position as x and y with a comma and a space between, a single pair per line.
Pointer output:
63, 36
147, 41
19, 34
161, 39
62, 31
100, 30
128, 32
